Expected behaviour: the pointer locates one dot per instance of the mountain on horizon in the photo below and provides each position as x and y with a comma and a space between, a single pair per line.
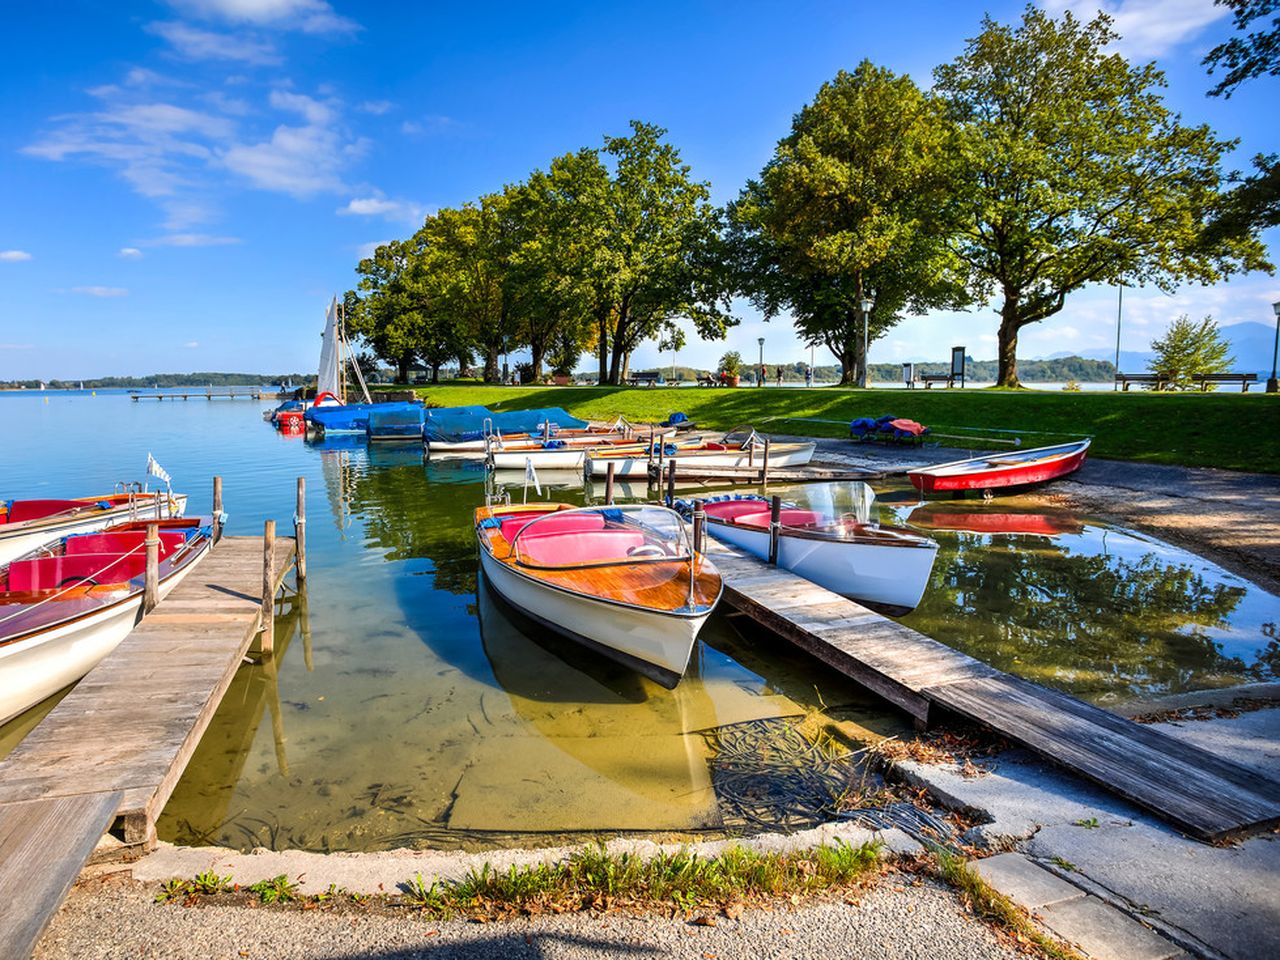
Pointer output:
1251, 344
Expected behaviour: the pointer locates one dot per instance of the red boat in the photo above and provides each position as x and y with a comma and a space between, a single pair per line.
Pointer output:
941, 516
1019, 469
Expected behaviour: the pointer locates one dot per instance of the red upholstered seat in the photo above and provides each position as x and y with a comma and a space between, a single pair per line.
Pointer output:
570, 523
731, 509
22, 510
48, 573
591, 546
788, 518
121, 542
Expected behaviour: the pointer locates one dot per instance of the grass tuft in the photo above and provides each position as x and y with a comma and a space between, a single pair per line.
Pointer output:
276, 890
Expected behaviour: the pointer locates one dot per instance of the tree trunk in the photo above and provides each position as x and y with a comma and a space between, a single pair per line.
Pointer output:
1007, 375
402, 367
626, 366
491, 364
435, 372
464, 365
535, 351
602, 347
616, 354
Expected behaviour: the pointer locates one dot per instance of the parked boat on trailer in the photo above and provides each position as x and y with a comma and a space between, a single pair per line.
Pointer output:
67, 605
28, 524
739, 450
882, 566
993, 471
621, 580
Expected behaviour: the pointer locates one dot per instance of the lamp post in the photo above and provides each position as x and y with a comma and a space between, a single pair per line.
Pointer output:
866, 303
1272, 385
760, 369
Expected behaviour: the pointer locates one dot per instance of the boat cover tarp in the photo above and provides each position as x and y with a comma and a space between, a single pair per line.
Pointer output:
352, 417
396, 423
451, 425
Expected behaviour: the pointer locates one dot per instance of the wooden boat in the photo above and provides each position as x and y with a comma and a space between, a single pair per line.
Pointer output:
67, 605
992, 471
27, 524
557, 454
574, 437
885, 567
732, 453
622, 580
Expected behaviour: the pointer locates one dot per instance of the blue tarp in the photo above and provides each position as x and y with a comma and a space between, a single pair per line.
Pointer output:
396, 424
458, 424
351, 418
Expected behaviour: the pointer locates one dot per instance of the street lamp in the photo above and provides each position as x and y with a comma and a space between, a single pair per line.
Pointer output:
866, 303
1272, 385
760, 369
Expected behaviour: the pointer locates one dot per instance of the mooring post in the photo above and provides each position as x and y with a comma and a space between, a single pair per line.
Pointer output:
151, 580
300, 530
775, 528
699, 524
267, 642
217, 509
671, 482
608, 484
764, 467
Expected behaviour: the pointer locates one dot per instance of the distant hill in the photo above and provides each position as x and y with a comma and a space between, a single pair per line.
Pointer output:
1251, 345
167, 380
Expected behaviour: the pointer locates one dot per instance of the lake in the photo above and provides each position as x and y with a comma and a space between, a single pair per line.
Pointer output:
405, 708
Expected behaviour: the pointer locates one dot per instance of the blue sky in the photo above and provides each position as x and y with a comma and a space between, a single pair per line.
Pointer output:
185, 182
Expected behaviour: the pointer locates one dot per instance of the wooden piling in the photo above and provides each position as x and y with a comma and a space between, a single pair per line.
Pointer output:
151, 579
608, 483
699, 524
217, 509
267, 641
300, 530
775, 528
671, 482
764, 467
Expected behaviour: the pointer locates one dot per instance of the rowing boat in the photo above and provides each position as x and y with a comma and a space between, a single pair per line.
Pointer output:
1019, 469
573, 437
28, 524
746, 454
67, 605
883, 566
621, 580
558, 454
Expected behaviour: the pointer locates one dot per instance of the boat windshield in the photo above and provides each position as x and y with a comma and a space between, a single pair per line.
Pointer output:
836, 511
600, 536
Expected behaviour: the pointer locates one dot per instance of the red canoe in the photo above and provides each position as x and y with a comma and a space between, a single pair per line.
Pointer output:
1002, 469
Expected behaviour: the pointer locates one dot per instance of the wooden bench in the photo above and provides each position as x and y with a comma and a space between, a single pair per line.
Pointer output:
1159, 380
1244, 379
646, 379
708, 381
929, 379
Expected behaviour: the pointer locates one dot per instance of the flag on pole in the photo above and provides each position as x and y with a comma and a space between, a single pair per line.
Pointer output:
531, 476
155, 470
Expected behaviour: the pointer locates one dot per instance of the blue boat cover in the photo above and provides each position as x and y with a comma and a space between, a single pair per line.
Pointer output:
396, 424
353, 417
458, 424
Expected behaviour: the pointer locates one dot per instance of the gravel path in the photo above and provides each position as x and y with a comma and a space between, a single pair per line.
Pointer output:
118, 921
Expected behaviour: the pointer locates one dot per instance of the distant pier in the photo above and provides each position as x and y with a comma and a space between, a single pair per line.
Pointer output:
210, 393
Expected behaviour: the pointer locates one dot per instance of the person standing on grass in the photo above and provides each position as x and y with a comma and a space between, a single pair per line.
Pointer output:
779, 375
764, 375
515, 377
808, 376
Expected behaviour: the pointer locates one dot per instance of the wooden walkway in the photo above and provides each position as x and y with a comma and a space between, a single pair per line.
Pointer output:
108, 756
1201, 794
222, 394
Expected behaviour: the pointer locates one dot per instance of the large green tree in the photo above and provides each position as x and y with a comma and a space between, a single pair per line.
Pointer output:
857, 203
1078, 173
389, 309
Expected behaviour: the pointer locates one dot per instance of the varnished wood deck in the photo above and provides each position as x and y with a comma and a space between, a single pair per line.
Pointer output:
1201, 794
111, 752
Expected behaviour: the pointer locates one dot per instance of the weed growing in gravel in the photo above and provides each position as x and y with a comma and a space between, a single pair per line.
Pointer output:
209, 883
172, 890
1090, 824
276, 890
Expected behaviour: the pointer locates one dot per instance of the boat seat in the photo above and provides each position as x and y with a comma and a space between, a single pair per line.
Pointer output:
714, 446
572, 523
49, 573
788, 518
121, 542
22, 510
569, 548
732, 509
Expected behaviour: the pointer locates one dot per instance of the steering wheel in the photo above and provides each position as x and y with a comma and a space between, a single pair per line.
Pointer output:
646, 550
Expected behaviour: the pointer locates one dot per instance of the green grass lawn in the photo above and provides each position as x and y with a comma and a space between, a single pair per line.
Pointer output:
1231, 430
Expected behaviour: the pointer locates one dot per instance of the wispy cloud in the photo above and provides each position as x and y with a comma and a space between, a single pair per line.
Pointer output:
192, 43
192, 240
376, 107
380, 206
1148, 28
129, 253
313, 111
431, 125
14, 256
191, 344
366, 250
309, 16
95, 291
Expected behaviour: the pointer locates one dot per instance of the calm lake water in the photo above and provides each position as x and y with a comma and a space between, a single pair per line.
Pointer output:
405, 708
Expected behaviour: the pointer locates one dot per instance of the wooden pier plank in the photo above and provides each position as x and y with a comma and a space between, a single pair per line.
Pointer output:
1196, 791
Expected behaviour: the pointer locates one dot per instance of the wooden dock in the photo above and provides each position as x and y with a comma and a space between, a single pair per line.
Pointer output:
1197, 792
109, 755
212, 394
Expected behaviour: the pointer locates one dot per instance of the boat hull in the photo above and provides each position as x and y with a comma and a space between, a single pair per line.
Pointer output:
997, 476
657, 644
889, 576
731, 459
22, 538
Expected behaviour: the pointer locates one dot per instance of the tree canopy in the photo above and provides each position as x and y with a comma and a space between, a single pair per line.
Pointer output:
1188, 348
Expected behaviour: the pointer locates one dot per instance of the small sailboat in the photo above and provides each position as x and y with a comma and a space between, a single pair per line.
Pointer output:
621, 580
738, 450
68, 604
882, 566
27, 524
1019, 469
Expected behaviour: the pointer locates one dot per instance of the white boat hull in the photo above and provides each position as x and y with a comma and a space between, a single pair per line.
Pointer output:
41, 665
564, 459
22, 539
655, 643
737, 459
891, 576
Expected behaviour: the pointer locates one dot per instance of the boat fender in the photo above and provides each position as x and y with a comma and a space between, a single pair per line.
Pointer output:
104, 504
553, 444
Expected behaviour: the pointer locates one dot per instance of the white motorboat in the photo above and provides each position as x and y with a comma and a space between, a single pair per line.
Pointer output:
744, 455
28, 524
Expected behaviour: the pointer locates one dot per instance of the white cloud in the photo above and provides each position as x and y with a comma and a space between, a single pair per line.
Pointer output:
130, 253
191, 344
380, 206
367, 250
193, 240
376, 107
309, 16
300, 161
192, 43
314, 111
95, 291
14, 256
1148, 28
433, 124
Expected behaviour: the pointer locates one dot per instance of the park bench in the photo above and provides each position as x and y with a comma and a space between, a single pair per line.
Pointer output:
951, 376
1158, 380
1244, 379
645, 379
708, 381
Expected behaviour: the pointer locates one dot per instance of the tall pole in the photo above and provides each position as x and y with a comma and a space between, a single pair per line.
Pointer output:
865, 359
760, 368
1272, 385
1119, 314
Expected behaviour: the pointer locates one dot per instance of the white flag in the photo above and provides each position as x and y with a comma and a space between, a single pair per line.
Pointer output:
531, 475
155, 470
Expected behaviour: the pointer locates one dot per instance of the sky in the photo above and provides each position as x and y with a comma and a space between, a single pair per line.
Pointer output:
185, 183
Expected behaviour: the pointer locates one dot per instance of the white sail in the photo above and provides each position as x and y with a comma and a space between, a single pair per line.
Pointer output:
328, 379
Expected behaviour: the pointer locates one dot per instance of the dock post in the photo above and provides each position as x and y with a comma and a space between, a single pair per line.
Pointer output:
267, 642
300, 530
608, 484
151, 579
775, 528
699, 524
764, 467
671, 482
217, 509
